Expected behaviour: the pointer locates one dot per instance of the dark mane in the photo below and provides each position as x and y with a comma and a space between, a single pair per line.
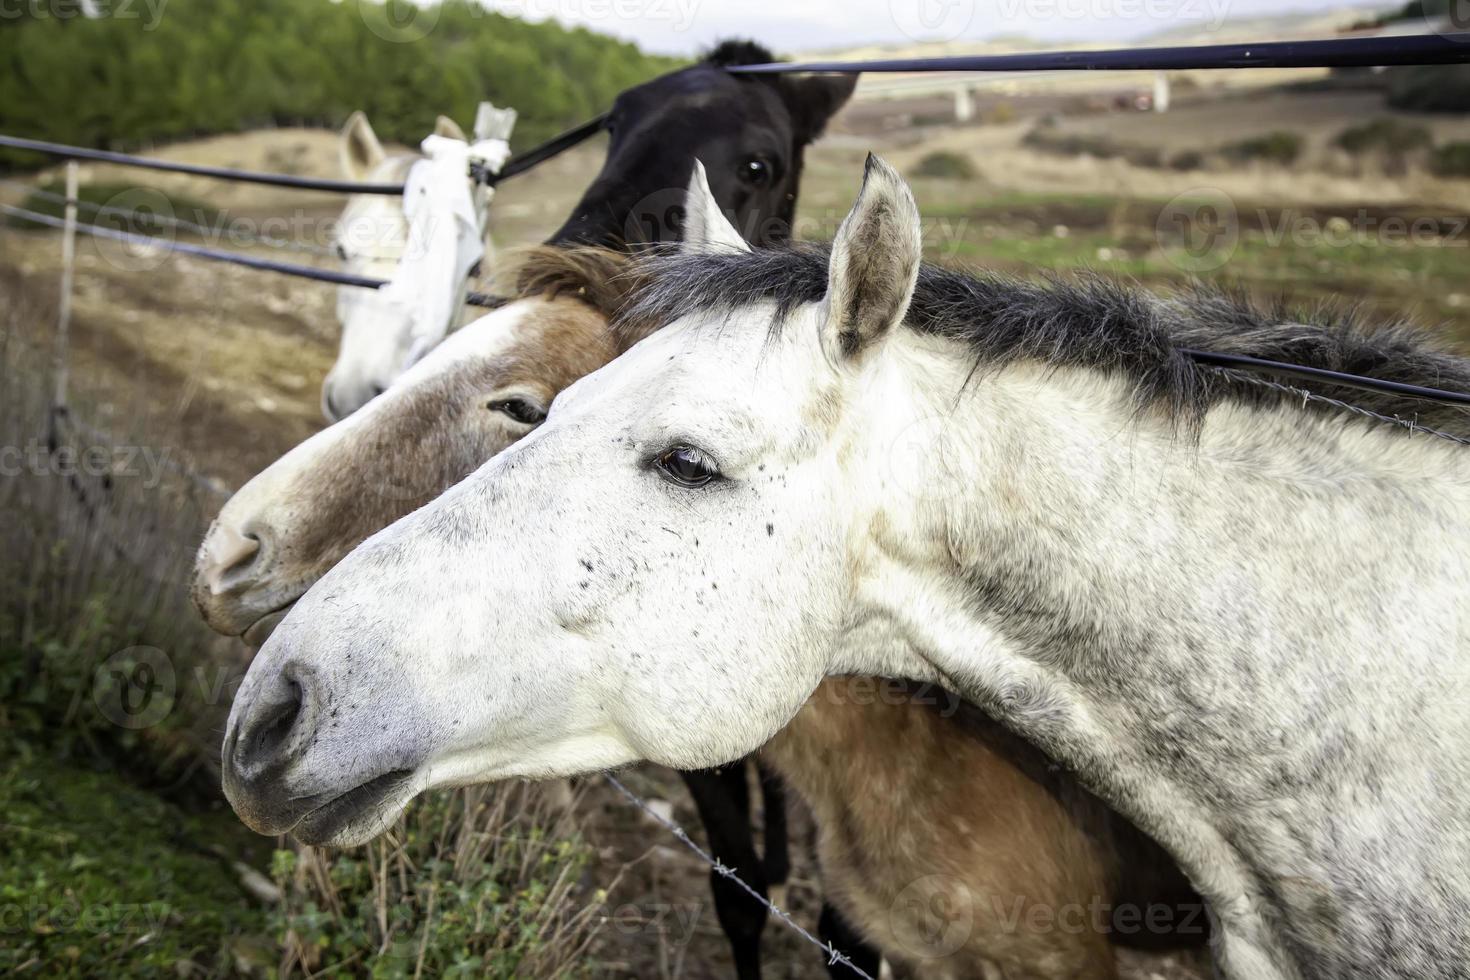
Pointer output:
737, 52
1082, 322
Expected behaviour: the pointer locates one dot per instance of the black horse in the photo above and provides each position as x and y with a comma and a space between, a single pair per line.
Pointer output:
750, 132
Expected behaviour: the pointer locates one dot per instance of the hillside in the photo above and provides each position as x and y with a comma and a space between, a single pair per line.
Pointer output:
141, 74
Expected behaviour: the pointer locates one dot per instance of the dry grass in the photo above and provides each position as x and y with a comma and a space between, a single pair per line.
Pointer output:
483, 882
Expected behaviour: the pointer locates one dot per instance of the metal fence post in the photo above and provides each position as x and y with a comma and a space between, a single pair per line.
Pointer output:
68, 264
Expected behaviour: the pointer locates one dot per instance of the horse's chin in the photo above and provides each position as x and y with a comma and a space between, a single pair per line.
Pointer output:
358, 815
263, 627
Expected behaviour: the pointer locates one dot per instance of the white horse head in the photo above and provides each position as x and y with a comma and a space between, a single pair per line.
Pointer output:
424, 244
1240, 622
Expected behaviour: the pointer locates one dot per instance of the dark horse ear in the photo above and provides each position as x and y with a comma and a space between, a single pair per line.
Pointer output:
814, 99
811, 99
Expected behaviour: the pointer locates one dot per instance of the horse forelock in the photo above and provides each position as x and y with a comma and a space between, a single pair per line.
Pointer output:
1086, 321
600, 278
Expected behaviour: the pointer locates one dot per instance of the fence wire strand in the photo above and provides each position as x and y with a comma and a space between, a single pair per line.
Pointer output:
171, 221
1246, 377
834, 955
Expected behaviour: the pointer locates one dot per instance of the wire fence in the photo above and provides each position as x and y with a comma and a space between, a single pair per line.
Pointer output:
1333, 53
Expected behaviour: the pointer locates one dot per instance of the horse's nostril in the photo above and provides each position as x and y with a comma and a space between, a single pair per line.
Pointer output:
271, 735
329, 407
229, 552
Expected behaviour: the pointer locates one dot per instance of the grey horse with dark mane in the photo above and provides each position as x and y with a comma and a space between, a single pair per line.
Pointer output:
1238, 616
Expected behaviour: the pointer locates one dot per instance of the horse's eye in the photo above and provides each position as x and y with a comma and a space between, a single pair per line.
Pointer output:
756, 172
342, 252
519, 409
687, 466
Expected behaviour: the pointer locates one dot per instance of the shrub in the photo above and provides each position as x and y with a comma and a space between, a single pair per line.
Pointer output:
481, 882
1430, 88
1383, 135
1187, 160
1451, 160
946, 165
1278, 147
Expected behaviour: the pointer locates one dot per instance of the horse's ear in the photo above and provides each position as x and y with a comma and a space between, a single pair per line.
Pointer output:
360, 149
814, 99
706, 228
444, 126
874, 265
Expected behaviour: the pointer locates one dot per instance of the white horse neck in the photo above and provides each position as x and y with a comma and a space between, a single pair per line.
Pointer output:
1235, 632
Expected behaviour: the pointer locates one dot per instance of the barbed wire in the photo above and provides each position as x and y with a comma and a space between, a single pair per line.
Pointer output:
1311, 396
834, 955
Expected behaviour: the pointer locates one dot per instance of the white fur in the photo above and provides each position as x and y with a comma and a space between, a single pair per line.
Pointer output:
423, 244
1272, 640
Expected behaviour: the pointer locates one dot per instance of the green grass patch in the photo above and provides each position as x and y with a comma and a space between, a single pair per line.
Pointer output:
102, 878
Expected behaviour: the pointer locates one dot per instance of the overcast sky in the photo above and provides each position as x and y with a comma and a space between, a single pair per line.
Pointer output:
685, 26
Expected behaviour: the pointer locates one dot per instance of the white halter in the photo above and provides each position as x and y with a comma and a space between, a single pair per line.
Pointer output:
446, 217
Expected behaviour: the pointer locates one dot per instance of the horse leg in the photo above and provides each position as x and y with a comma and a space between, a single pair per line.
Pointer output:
777, 854
723, 800
832, 928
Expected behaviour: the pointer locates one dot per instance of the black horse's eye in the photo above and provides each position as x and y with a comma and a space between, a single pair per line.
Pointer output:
756, 172
519, 409
687, 466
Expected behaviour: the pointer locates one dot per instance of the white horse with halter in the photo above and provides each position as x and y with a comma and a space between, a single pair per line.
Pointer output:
425, 244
